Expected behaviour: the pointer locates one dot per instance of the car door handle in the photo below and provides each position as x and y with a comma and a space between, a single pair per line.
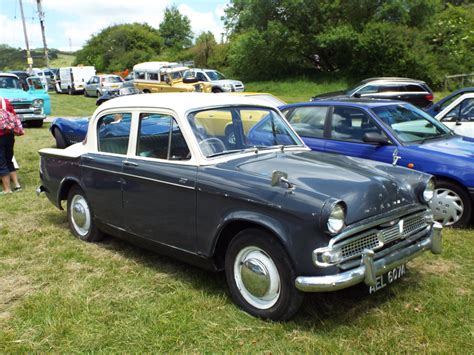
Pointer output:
129, 163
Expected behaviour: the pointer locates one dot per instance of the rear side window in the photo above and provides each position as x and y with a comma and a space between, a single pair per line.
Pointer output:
160, 137
414, 88
113, 133
391, 88
308, 121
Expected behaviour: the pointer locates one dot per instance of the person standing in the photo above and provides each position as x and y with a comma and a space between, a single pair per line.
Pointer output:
7, 141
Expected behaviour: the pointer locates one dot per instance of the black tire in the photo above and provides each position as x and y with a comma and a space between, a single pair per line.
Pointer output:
35, 123
217, 90
98, 94
146, 91
86, 231
287, 300
61, 141
70, 91
455, 189
85, 93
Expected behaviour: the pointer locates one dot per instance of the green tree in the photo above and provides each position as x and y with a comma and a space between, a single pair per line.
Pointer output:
120, 47
176, 29
204, 49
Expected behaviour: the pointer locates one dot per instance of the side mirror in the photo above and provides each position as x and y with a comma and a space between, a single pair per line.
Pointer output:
278, 177
190, 80
357, 95
374, 137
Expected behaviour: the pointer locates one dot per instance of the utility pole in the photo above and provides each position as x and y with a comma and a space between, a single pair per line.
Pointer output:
41, 18
29, 60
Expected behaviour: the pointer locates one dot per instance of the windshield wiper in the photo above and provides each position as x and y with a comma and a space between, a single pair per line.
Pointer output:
433, 137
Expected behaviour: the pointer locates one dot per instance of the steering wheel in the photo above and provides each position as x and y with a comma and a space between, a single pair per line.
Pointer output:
211, 145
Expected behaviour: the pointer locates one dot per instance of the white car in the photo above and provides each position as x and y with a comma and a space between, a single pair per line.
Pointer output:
459, 115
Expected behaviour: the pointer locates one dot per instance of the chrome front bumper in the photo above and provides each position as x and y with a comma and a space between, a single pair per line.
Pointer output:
370, 268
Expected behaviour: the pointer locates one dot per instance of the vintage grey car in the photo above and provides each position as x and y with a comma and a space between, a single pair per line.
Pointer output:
279, 219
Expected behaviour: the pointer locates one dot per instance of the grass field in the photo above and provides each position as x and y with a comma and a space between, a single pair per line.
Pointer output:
58, 294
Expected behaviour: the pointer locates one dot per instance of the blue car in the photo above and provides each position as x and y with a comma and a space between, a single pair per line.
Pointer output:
392, 132
69, 131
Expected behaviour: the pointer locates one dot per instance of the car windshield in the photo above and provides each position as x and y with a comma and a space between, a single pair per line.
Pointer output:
230, 130
113, 79
353, 89
214, 75
35, 83
410, 124
9, 82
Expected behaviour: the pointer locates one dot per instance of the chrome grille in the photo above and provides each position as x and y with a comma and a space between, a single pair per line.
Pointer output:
21, 106
377, 238
357, 246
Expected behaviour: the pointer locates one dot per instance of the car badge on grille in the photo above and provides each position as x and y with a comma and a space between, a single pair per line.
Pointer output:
390, 224
400, 227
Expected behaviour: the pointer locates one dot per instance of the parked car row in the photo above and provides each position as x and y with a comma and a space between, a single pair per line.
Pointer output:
279, 219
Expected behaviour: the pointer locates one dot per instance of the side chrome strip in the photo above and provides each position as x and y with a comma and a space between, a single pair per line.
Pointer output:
139, 177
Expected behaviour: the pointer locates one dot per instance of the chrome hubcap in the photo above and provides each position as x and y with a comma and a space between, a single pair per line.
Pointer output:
257, 277
447, 206
80, 215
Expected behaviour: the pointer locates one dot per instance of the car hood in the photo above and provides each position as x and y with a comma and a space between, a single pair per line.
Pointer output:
333, 94
69, 124
367, 187
15, 95
456, 150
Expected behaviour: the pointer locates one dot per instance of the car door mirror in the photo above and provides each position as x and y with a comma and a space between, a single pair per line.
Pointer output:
375, 137
357, 95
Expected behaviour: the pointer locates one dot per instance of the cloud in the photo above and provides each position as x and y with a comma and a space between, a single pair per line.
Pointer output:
202, 21
12, 32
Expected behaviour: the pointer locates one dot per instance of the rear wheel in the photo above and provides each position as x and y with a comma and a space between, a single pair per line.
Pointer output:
60, 139
80, 216
261, 277
70, 91
217, 90
85, 93
451, 204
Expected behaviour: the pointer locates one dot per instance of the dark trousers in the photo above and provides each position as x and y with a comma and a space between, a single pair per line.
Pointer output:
6, 154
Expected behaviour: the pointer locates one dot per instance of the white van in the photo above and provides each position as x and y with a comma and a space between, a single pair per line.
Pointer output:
73, 79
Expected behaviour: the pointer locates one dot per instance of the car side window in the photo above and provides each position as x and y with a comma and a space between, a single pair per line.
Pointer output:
463, 112
159, 136
414, 88
390, 88
201, 77
113, 133
308, 121
350, 124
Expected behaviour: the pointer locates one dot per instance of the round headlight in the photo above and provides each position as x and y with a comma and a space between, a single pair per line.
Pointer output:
37, 102
428, 193
335, 221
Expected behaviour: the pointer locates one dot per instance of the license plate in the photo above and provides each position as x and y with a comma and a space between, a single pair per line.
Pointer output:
389, 277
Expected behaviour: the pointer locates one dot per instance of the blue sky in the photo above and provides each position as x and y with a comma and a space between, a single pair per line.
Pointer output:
69, 23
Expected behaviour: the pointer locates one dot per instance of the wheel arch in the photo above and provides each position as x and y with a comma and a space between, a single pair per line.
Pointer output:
64, 187
239, 222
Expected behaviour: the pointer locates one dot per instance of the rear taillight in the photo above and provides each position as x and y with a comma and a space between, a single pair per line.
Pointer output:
429, 97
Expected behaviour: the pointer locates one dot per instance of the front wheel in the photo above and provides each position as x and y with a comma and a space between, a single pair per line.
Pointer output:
261, 277
80, 217
451, 204
35, 123
60, 139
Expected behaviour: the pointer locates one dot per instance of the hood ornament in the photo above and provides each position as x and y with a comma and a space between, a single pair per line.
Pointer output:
279, 177
395, 157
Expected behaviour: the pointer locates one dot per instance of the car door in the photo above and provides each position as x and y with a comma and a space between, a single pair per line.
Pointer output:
101, 170
347, 126
310, 123
460, 116
159, 195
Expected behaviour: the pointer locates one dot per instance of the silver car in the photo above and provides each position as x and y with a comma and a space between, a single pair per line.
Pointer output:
218, 80
98, 84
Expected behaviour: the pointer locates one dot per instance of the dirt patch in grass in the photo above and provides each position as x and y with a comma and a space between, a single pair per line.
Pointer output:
435, 266
12, 289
